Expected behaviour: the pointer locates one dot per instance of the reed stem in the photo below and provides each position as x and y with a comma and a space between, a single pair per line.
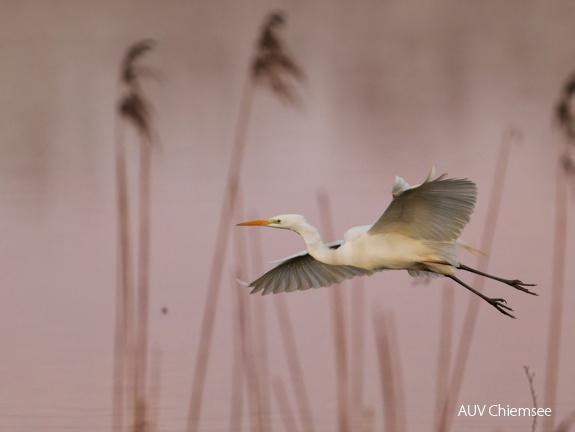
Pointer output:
141, 370
124, 286
558, 288
219, 259
468, 330
339, 327
294, 364
445, 346
390, 375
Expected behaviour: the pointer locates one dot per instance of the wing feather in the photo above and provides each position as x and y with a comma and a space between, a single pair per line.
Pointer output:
302, 272
436, 210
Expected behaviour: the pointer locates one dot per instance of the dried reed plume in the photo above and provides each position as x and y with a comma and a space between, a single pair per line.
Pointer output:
130, 370
272, 64
565, 119
565, 168
563, 110
468, 330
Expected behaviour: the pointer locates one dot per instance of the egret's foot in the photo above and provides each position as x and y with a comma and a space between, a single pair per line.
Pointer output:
501, 305
517, 284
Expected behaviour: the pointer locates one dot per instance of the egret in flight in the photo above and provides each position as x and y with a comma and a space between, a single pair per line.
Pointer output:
418, 232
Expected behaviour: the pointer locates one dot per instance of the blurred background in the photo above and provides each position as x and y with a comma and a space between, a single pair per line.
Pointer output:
387, 88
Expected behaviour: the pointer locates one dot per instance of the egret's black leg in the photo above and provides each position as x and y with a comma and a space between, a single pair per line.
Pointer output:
498, 303
515, 283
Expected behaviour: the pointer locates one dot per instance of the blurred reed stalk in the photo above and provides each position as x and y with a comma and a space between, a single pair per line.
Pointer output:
565, 119
444, 351
238, 379
468, 330
390, 372
131, 340
339, 326
248, 354
283, 403
567, 423
260, 347
357, 348
124, 288
530, 377
248, 362
294, 364
271, 65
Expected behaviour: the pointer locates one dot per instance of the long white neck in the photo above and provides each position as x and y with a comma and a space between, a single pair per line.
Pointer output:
315, 246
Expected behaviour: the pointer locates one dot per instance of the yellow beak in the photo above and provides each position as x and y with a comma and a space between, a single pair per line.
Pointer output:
260, 222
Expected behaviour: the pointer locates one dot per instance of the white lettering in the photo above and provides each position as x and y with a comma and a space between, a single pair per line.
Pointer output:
525, 412
498, 410
471, 411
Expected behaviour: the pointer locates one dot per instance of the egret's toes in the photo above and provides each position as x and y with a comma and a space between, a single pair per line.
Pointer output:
501, 306
517, 284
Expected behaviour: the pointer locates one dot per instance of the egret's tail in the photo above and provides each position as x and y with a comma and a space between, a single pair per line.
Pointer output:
445, 252
462, 243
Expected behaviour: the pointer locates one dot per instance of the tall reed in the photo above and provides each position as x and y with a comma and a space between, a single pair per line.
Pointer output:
283, 402
238, 378
356, 363
294, 364
124, 288
271, 65
444, 350
530, 377
246, 334
468, 330
259, 343
339, 327
565, 119
393, 409
567, 423
252, 348
132, 334
248, 362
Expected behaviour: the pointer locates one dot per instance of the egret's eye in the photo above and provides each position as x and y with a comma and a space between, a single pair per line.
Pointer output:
278, 221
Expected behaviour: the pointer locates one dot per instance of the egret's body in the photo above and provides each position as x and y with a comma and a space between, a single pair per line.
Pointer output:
419, 232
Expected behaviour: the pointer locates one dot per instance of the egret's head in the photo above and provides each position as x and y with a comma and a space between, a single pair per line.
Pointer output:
287, 221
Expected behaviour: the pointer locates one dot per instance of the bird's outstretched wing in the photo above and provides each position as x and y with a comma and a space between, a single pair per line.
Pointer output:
436, 210
302, 272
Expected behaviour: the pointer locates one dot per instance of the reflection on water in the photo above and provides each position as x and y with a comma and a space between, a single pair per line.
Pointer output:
391, 89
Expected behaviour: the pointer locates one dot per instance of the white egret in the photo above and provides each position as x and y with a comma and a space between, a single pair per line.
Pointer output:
418, 232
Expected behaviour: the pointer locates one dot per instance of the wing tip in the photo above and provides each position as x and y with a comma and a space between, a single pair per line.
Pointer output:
400, 185
242, 283
245, 284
